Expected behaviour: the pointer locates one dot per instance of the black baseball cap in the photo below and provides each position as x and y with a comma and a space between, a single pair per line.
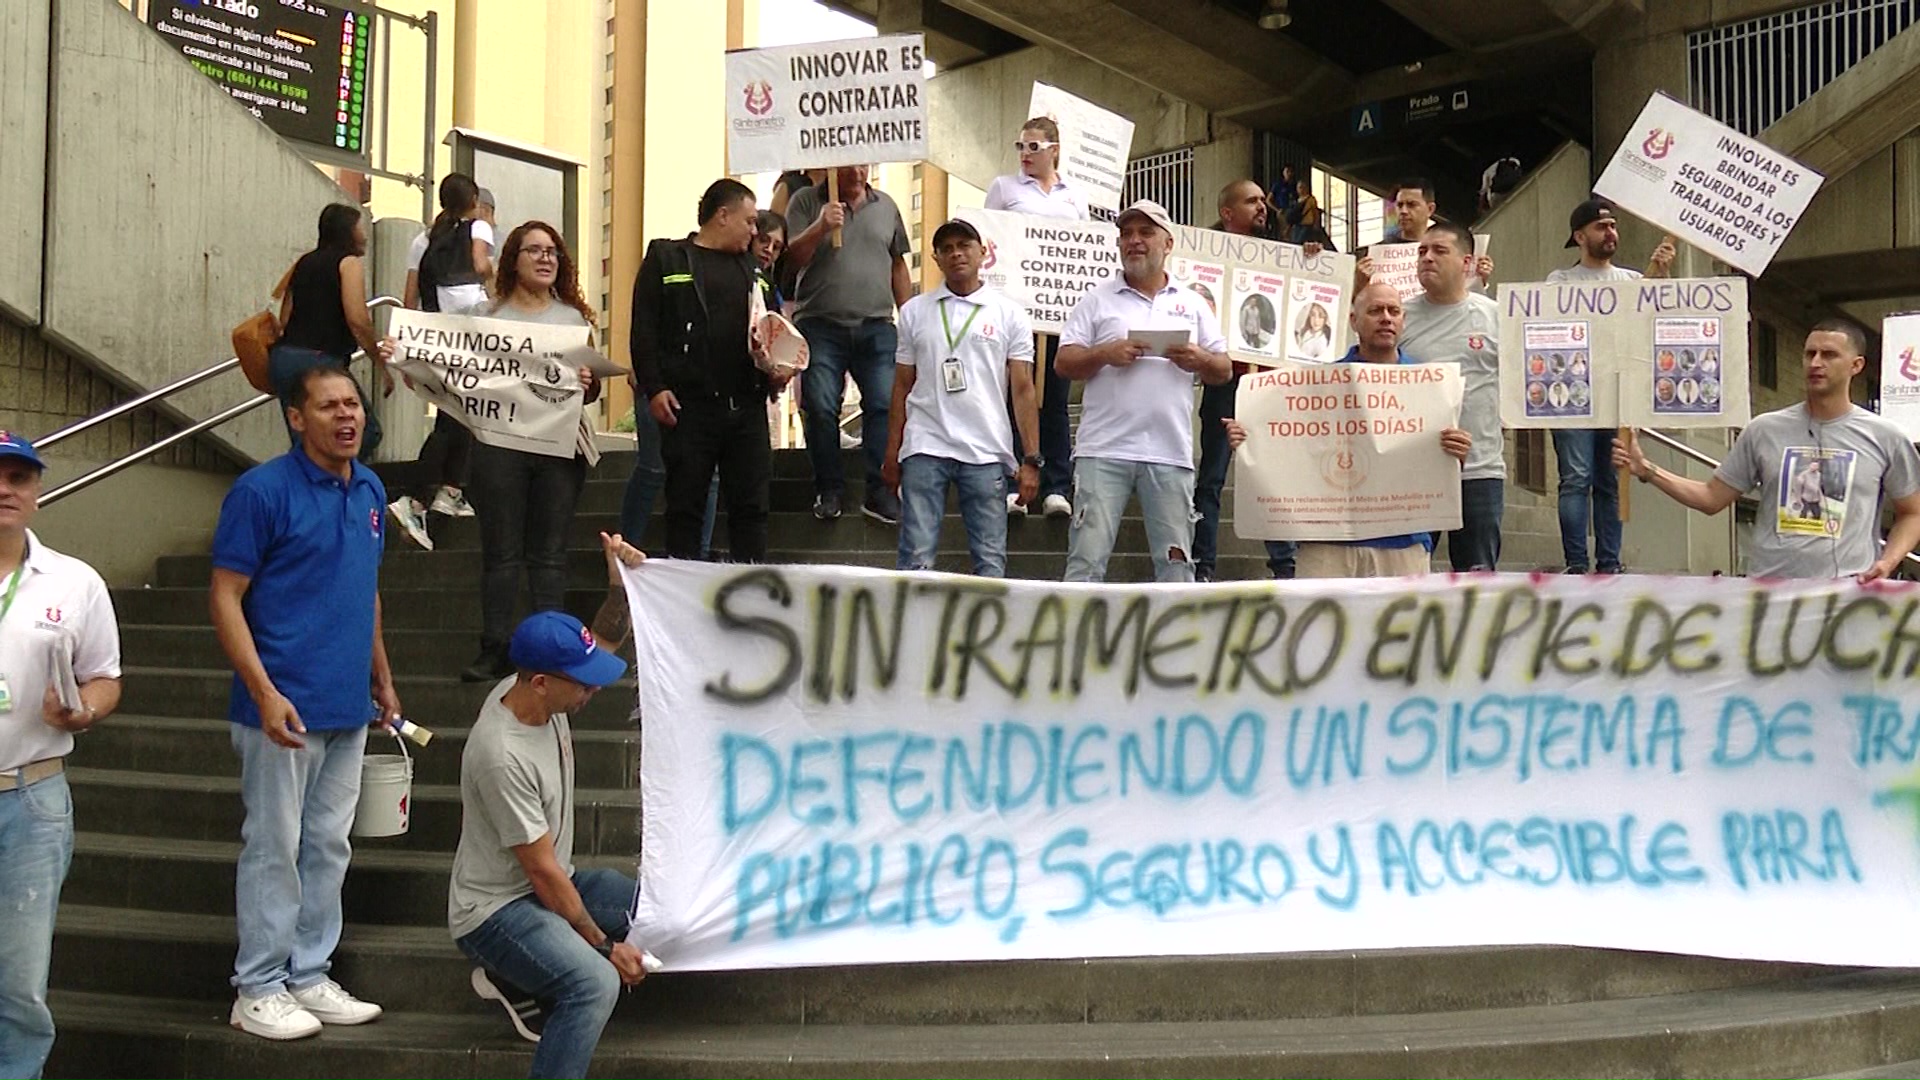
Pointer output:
956, 227
1586, 214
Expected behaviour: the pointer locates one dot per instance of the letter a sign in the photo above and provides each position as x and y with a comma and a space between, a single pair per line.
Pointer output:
1366, 119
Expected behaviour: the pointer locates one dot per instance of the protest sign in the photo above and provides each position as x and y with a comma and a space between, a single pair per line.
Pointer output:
515, 385
1647, 352
1094, 143
1046, 264
825, 104
1398, 265
1900, 372
1734, 197
858, 766
1346, 451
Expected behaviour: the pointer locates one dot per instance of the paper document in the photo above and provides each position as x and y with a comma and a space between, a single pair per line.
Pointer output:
1157, 342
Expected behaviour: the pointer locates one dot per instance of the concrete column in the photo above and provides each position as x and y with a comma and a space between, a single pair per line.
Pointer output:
466, 60
933, 213
629, 172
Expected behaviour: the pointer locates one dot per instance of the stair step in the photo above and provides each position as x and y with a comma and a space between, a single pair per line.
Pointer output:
132, 803
438, 702
1861, 1020
452, 607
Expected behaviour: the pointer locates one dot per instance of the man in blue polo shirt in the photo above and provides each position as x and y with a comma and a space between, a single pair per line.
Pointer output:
1377, 321
296, 569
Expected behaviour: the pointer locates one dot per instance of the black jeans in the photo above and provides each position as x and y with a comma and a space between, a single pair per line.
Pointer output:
1476, 544
730, 434
525, 506
1056, 426
444, 458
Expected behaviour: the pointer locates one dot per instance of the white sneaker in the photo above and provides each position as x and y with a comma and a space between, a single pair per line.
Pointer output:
406, 511
1014, 509
452, 502
328, 1003
275, 1016
1056, 506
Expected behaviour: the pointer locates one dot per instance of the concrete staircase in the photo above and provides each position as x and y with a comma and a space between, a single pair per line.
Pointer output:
145, 938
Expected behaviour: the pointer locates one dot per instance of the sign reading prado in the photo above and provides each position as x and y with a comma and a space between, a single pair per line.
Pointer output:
831, 103
1734, 197
513, 384
871, 767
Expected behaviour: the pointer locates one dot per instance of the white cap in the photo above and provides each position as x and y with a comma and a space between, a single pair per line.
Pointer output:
1152, 210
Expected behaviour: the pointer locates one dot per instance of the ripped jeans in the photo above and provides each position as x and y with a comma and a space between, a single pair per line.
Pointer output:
1101, 487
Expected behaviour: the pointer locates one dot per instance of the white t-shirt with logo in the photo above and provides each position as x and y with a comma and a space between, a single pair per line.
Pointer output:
987, 330
454, 297
60, 604
1143, 412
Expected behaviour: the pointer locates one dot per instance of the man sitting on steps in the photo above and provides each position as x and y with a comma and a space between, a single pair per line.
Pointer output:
516, 905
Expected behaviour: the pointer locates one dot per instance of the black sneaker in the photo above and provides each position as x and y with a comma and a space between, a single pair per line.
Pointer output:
1611, 570
489, 666
528, 1017
826, 506
883, 506
1575, 571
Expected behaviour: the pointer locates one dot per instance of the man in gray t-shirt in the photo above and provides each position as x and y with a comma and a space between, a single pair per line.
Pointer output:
1822, 468
843, 305
1447, 324
539, 928
1589, 487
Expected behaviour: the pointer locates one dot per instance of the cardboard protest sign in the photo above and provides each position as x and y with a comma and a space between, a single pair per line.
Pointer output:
1271, 297
515, 385
1094, 143
1646, 352
872, 767
1346, 451
831, 103
1900, 372
1729, 195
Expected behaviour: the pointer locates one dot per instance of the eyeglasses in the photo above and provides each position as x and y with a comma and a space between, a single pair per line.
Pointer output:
1032, 147
541, 254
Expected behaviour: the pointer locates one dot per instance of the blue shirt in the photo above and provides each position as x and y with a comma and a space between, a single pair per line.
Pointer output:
311, 547
1425, 540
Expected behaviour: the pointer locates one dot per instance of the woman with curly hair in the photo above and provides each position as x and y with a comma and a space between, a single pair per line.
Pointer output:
525, 501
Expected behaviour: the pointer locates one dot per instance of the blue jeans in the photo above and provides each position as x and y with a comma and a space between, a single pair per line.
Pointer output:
284, 365
649, 476
293, 855
540, 953
36, 846
865, 352
924, 480
1586, 472
1281, 556
1101, 487
1476, 544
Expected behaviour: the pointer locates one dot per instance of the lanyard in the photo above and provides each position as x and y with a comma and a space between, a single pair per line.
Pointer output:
954, 340
13, 586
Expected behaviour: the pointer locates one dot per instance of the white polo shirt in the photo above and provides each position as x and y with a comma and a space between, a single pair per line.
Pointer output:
970, 425
61, 603
1024, 195
1143, 412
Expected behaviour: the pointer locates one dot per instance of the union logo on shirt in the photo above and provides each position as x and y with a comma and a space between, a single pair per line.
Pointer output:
1476, 342
1180, 309
987, 331
54, 615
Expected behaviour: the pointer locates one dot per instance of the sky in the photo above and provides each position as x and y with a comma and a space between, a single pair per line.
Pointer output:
802, 22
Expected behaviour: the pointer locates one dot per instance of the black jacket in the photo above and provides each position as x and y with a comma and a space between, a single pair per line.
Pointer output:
668, 338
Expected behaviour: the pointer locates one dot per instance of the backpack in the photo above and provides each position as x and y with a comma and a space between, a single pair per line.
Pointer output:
447, 261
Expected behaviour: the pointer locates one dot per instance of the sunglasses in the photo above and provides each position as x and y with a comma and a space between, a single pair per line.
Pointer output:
1032, 147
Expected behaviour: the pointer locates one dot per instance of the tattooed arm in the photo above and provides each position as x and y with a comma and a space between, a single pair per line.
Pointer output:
613, 623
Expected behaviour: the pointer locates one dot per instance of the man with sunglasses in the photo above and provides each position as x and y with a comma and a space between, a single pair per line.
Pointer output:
550, 939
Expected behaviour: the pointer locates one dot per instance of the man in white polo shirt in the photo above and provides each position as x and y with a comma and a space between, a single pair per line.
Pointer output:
55, 618
1136, 421
950, 428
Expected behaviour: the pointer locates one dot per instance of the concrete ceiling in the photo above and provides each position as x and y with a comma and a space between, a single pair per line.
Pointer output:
1526, 65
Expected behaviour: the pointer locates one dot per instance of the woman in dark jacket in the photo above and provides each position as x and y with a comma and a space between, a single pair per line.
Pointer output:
324, 313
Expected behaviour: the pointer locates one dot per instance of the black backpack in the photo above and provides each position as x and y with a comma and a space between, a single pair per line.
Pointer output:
448, 261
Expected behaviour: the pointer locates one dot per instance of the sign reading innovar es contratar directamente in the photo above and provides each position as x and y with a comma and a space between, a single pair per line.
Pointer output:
832, 103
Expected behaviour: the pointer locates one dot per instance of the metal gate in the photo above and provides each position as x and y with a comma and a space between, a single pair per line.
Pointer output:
1749, 74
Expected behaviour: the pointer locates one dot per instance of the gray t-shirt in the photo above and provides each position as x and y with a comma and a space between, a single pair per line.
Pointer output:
854, 282
557, 313
1467, 334
1583, 272
1821, 485
516, 785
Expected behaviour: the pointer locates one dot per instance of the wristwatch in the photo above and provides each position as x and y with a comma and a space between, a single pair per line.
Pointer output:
1035, 460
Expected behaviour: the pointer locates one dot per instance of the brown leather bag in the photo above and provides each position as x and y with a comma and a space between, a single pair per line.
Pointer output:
255, 338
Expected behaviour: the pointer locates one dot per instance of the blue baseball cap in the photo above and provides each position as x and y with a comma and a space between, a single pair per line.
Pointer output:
12, 445
556, 643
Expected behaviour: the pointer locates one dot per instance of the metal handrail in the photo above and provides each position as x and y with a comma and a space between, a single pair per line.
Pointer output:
81, 426
1689, 452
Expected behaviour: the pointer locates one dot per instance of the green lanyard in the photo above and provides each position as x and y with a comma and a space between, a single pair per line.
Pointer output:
953, 340
13, 586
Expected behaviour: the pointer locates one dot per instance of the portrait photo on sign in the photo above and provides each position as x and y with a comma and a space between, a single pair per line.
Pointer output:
1256, 322
1814, 485
1313, 332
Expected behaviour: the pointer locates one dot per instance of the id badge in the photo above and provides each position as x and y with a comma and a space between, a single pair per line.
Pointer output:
6, 697
952, 375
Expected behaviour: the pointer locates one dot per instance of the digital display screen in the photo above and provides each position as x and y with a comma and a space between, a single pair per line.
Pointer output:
298, 65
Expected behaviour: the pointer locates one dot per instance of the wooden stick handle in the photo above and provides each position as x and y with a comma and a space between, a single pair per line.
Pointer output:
833, 195
1625, 484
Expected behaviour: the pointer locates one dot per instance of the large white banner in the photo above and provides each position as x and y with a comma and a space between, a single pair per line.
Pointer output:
515, 385
1346, 451
831, 103
1094, 143
857, 766
1734, 197
1900, 372
1650, 352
